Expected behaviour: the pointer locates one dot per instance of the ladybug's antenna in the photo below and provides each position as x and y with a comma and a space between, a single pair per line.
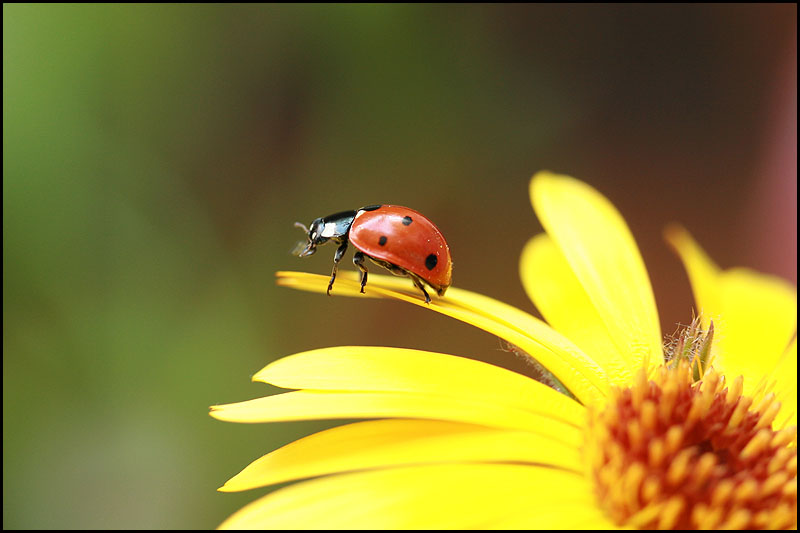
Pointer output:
307, 247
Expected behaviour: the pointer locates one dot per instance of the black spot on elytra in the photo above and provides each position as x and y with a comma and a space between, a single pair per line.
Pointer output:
430, 261
407, 220
371, 208
382, 240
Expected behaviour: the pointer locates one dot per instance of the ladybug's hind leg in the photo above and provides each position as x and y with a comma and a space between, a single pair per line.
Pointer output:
358, 260
420, 286
336, 258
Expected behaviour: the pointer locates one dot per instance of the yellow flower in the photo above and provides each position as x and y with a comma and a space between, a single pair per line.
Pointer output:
694, 439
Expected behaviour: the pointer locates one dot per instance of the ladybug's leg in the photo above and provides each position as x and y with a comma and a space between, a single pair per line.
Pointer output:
421, 287
358, 260
336, 258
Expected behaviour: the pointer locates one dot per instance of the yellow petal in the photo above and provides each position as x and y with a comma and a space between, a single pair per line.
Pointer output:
381, 369
784, 378
459, 496
560, 298
581, 375
702, 271
599, 247
755, 315
346, 284
758, 318
392, 443
321, 405
551, 515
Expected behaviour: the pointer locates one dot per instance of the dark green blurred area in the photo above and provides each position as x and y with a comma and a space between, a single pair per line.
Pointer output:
156, 157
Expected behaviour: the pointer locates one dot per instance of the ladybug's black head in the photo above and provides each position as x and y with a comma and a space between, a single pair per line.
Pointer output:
333, 227
314, 235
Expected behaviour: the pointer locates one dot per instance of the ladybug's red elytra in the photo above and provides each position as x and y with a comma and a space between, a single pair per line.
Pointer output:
397, 238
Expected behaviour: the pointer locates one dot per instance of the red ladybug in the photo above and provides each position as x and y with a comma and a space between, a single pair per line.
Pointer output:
396, 238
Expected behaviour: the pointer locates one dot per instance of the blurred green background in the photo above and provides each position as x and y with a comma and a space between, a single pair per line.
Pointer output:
156, 157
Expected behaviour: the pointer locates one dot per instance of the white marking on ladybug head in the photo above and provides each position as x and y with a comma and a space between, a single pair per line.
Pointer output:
329, 230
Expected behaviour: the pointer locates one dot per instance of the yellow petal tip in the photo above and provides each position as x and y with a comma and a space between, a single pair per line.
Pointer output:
676, 236
546, 178
550, 175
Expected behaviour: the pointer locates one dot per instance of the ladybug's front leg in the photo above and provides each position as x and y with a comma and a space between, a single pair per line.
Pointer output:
358, 260
336, 258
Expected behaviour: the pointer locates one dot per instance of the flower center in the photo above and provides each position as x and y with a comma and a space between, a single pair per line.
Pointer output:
672, 452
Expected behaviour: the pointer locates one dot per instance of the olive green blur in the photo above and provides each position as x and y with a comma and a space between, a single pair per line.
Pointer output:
156, 157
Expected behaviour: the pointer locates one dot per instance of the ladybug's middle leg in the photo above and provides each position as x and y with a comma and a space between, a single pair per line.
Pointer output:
358, 260
336, 258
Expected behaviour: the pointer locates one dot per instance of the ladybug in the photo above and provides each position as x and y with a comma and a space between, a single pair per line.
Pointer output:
397, 238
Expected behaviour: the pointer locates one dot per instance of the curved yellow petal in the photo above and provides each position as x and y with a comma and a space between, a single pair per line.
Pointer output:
392, 443
322, 405
563, 302
457, 496
581, 375
382, 369
346, 284
596, 242
784, 378
702, 271
755, 315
